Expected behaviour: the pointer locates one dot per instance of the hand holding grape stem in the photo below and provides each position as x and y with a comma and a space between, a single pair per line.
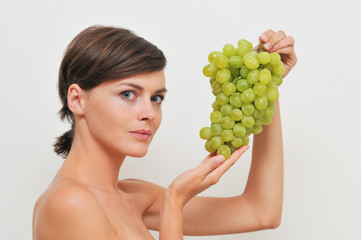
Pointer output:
280, 43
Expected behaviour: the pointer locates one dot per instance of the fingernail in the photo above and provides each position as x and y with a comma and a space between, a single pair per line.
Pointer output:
267, 45
220, 159
264, 37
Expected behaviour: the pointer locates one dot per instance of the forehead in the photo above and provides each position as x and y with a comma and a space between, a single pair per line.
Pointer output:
153, 79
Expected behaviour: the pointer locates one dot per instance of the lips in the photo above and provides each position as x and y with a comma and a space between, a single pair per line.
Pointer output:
142, 134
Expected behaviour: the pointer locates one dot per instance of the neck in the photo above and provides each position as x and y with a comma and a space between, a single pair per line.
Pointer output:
91, 164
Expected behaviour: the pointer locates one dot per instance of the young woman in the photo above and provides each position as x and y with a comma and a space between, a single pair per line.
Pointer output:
111, 84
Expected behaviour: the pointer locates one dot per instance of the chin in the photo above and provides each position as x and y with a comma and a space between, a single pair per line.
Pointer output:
137, 152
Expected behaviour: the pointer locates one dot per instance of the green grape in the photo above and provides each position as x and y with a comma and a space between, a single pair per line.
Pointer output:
227, 122
213, 55
234, 71
249, 54
216, 129
208, 146
236, 114
236, 80
221, 99
263, 58
216, 106
242, 85
206, 133
257, 114
227, 135
221, 61
247, 109
223, 75
210, 70
244, 71
253, 76
216, 142
259, 89
258, 122
261, 102
268, 112
272, 84
225, 151
228, 88
216, 117
245, 140
272, 94
236, 142
271, 105
277, 79
226, 109
257, 130
244, 42
249, 130
235, 100
275, 58
236, 61
229, 50
251, 63
248, 121
267, 121
229, 144
239, 130
265, 76
279, 69
248, 96
212, 80
216, 87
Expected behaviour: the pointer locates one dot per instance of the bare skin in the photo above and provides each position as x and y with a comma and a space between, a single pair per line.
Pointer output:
87, 201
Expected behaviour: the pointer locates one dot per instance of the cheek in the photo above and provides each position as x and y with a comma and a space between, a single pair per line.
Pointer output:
157, 121
107, 118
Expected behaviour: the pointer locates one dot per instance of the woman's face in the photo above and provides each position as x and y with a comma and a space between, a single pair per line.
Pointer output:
123, 115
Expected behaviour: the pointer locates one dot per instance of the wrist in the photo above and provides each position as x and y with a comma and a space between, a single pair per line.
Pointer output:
172, 198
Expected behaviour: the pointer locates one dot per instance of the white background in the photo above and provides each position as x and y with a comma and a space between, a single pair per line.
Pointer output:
320, 102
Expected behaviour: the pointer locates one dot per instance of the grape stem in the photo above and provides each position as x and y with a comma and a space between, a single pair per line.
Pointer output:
260, 49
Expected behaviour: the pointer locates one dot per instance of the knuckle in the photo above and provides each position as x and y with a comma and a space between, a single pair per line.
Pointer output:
282, 33
214, 180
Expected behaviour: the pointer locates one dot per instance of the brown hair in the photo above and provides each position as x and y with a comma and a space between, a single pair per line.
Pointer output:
99, 54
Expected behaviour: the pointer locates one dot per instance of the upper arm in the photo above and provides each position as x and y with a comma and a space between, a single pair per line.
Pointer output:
223, 215
72, 213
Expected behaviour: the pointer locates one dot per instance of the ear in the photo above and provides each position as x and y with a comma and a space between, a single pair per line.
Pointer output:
75, 99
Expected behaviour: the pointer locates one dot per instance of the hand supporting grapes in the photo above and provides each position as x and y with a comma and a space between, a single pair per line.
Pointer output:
188, 185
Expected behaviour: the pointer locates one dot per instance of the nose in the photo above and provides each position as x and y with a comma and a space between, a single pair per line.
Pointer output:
146, 111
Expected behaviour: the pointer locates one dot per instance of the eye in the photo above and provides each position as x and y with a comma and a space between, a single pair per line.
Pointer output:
157, 99
129, 95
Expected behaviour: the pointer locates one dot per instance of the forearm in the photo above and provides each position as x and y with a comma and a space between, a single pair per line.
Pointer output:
171, 222
264, 187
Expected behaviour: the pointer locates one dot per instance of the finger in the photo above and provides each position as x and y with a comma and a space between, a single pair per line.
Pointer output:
275, 38
211, 162
264, 38
218, 172
284, 43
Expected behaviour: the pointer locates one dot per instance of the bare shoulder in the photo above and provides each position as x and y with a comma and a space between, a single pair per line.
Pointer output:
149, 196
137, 186
70, 212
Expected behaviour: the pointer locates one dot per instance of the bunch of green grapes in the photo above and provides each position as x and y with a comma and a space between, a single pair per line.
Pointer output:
245, 84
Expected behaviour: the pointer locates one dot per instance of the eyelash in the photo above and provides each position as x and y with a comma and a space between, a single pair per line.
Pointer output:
133, 92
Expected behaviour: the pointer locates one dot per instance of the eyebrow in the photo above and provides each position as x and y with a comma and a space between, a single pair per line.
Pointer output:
162, 90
